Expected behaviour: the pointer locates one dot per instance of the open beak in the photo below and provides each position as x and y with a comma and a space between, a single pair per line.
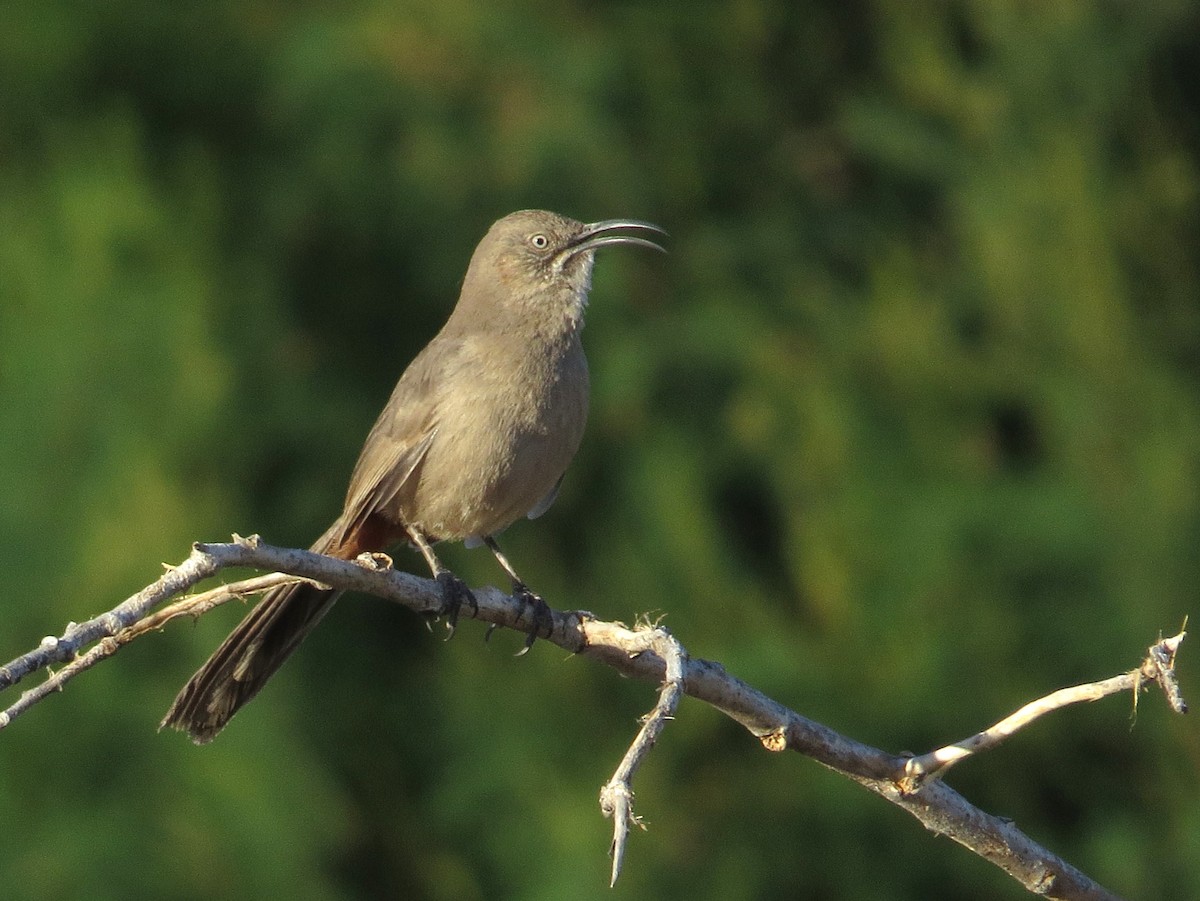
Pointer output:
610, 232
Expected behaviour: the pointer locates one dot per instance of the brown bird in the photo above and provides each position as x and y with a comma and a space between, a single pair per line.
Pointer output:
478, 433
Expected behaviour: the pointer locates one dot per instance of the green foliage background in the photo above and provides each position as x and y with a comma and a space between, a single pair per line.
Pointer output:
904, 431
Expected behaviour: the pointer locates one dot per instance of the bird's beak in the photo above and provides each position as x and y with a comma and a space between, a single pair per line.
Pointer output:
609, 232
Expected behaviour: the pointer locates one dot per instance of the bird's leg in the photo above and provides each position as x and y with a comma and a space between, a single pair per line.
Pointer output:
454, 591
541, 618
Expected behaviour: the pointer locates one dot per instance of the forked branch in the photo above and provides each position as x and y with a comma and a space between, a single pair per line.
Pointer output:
645, 653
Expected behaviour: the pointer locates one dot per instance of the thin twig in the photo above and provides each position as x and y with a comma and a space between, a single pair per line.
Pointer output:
52, 650
938, 807
616, 797
1158, 667
191, 605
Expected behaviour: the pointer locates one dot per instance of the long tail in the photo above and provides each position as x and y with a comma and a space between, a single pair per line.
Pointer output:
251, 655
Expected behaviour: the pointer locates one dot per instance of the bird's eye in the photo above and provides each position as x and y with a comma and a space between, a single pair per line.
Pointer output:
539, 241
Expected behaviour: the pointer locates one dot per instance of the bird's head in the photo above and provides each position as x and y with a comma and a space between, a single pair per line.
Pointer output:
535, 256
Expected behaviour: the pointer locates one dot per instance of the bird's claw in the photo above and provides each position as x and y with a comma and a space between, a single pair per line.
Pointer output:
541, 619
455, 593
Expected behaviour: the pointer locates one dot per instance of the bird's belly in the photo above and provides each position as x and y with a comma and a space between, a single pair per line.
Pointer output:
491, 465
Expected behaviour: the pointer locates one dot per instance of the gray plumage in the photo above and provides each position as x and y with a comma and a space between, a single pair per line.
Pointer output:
477, 434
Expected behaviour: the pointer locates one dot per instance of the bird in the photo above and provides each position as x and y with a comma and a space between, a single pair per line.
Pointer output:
478, 433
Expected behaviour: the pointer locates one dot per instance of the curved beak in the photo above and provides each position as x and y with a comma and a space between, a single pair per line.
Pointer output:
610, 232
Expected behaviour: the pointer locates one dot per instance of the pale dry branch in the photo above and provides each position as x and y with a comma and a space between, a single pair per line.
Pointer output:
938, 807
1157, 668
616, 797
191, 605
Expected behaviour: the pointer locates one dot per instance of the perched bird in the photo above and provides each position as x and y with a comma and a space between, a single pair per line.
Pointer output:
478, 433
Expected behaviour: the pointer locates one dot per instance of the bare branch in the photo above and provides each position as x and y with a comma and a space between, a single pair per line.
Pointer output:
1158, 667
191, 605
55, 650
649, 655
616, 797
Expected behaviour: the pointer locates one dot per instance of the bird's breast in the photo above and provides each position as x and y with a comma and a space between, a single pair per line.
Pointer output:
504, 438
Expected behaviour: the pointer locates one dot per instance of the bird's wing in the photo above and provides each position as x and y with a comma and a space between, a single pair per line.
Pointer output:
382, 475
544, 504
398, 442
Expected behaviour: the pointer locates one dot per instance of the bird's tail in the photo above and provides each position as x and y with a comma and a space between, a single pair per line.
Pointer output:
251, 655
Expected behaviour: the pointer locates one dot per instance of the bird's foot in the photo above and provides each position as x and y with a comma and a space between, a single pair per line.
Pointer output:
455, 593
541, 618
